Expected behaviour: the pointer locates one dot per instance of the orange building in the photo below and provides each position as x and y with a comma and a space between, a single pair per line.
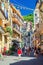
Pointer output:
17, 22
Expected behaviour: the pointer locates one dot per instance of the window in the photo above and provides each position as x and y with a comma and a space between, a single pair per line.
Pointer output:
2, 6
28, 33
35, 14
6, 13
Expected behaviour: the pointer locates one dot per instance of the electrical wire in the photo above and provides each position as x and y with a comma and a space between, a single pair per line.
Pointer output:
16, 4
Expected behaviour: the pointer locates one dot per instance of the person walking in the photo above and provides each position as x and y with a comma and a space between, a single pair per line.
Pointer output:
19, 52
5, 50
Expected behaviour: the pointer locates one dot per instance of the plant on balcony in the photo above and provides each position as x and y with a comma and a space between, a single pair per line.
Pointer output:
8, 29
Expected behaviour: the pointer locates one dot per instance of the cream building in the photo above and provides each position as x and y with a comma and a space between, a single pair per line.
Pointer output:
5, 21
39, 24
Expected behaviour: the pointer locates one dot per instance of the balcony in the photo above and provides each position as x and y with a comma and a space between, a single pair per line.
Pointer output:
16, 16
18, 32
16, 26
3, 24
15, 20
16, 11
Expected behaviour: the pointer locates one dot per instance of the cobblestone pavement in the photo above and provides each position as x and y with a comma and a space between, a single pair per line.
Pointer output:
13, 59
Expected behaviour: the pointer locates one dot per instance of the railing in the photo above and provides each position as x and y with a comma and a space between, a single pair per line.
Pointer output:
16, 16
16, 27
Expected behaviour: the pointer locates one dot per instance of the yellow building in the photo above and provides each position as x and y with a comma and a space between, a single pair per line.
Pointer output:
9, 18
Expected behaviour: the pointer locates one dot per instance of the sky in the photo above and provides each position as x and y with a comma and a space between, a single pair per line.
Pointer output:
20, 4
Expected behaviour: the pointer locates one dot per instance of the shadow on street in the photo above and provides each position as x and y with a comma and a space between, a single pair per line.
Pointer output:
38, 61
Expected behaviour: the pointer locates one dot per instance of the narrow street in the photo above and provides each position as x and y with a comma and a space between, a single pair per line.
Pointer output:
34, 61
21, 32
15, 60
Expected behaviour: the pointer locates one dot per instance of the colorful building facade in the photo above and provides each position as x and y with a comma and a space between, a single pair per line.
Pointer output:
17, 22
10, 24
38, 17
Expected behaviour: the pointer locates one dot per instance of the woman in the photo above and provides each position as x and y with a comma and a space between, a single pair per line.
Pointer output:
19, 52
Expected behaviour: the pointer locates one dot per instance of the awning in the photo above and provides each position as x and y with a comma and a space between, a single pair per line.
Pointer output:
15, 42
